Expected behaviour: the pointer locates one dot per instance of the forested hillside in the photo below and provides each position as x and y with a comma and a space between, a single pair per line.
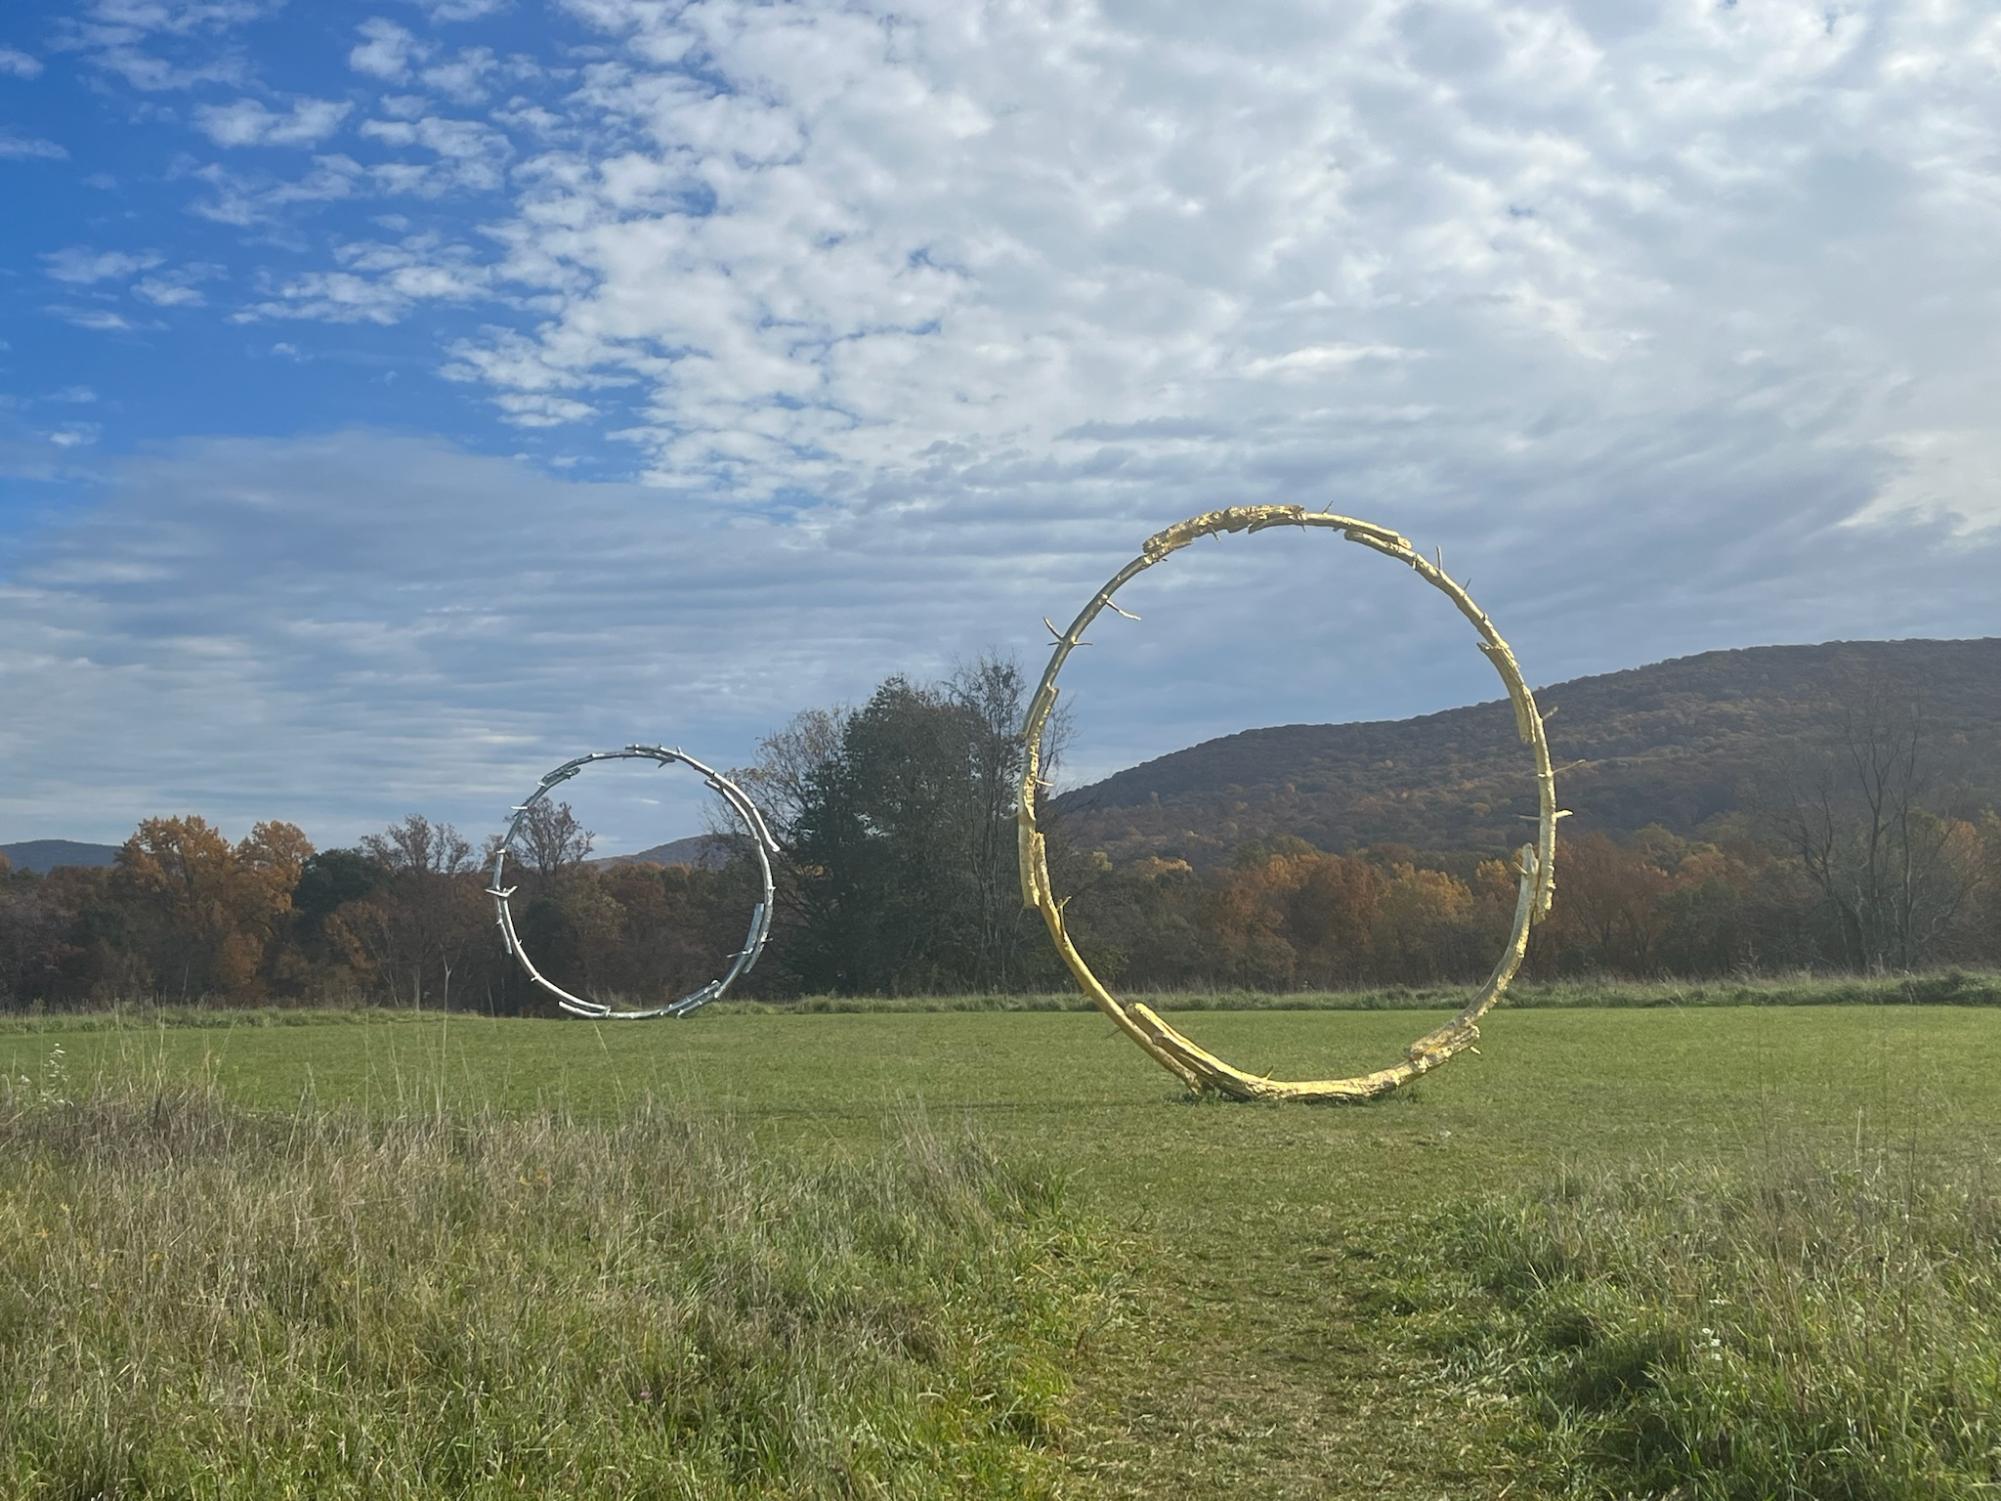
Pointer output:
1832, 808
1672, 744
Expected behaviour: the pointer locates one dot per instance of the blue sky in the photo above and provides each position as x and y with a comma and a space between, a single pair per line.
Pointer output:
399, 397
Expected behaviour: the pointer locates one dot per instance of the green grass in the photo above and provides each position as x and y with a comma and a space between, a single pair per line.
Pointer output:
1946, 987
1811, 1325
195, 1300
1251, 1299
1949, 987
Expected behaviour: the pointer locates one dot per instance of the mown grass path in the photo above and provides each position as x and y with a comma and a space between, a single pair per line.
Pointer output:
1262, 1352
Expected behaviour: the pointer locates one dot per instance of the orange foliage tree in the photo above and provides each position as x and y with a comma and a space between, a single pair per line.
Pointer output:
205, 911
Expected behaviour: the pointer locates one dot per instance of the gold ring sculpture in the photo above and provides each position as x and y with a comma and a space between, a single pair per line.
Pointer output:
1201, 1070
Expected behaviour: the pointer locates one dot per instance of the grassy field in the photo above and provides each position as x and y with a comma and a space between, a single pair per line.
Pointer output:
1674, 1250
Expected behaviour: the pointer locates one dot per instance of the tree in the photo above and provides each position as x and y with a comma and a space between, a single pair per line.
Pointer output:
429, 910
991, 697
270, 863
895, 823
331, 878
1421, 922
872, 846
416, 846
1611, 908
781, 781
37, 937
208, 910
551, 842
1248, 918
1865, 814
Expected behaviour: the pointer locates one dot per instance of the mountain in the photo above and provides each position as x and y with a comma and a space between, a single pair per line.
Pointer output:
702, 851
1674, 743
44, 855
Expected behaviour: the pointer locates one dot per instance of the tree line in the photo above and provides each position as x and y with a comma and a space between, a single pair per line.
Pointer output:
896, 874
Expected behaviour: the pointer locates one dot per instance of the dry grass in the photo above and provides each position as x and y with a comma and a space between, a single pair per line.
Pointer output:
198, 1301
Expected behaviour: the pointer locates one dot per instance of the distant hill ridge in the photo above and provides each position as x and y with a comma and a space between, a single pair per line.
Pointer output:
44, 855
702, 851
1674, 743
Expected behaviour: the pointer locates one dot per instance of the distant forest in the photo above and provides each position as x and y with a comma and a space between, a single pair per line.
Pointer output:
1832, 809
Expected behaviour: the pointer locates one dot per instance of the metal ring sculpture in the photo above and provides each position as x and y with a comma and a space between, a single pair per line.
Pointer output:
1202, 1070
760, 919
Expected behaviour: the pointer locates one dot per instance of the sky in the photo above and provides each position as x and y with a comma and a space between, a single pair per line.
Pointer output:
399, 397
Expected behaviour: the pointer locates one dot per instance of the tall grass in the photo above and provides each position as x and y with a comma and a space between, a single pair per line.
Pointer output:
196, 1301
1799, 1327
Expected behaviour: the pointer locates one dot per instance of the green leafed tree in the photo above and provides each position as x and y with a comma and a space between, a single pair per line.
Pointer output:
900, 842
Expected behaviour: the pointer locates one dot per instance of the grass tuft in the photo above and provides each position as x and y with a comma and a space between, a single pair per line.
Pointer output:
1798, 1327
197, 1300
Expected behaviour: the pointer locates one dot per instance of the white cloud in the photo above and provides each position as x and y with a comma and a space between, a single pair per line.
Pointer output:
152, 74
180, 287
97, 320
16, 147
177, 17
464, 77
18, 64
163, 293
538, 410
386, 50
446, 11
1942, 476
468, 156
161, 45
363, 601
246, 122
247, 201
81, 266
834, 251
380, 283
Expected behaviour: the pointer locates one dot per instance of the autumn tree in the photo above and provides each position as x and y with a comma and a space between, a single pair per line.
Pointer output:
1422, 924
1611, 914
1247, 920
207, 910
414, 932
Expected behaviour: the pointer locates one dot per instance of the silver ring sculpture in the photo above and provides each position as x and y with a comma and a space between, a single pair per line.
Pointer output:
760, 918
